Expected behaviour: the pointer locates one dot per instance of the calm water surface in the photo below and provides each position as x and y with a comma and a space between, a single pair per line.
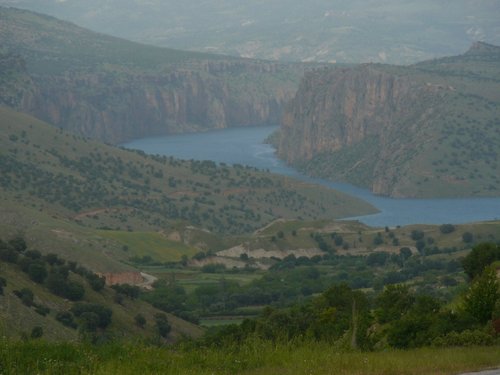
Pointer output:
244, 146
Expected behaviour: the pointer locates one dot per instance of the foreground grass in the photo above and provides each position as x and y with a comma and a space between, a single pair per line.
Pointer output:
252, 358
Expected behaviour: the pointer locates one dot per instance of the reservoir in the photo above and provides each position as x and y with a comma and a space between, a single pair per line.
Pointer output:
245, 146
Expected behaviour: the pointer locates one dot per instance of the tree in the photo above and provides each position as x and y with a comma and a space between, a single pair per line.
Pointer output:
417, 235
140, 320
3, 283
36, 332
393, 303
103, 313
481, 256
405, 253
18, 244
162, 324
482, 295
468, 237
37, 272
96, 282
447, 228
26, 296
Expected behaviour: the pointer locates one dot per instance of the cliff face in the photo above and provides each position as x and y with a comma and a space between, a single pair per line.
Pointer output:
16, 86
340, 107
363, 111
420, 131
115, 90
115, 108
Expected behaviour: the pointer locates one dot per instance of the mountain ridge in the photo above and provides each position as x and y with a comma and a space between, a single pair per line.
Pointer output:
115, 90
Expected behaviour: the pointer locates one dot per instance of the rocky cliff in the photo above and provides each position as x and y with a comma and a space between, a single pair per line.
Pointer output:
400, 131
115, 90
115, 108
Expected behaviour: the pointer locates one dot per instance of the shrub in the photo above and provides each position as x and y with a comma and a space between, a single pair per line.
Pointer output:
140, 320
447, 228
162, 324
66, 319
25, 295
103, 313
468, 237
36, 332
37, 272
465, 338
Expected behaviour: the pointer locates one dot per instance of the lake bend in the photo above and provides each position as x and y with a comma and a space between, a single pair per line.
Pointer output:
245, 146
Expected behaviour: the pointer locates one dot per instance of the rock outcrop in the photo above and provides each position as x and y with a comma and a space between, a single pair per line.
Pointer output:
400, 131
103, 106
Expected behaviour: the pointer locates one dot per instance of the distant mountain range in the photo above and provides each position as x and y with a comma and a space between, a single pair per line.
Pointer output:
390, 31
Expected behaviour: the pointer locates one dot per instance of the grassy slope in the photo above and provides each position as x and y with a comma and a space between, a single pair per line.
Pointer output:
60, 188
17, 318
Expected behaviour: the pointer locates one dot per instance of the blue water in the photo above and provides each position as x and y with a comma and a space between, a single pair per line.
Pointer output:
244, 146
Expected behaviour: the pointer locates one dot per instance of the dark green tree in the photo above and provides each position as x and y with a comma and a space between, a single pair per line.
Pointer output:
482, 295
162, 324
481, 256
140, 320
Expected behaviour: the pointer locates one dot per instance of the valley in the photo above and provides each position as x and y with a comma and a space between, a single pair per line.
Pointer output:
146, 227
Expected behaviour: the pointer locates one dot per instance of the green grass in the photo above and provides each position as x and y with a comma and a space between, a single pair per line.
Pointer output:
153, 244
253, 358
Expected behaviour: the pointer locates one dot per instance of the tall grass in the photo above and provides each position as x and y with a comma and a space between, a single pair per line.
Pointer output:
254, 357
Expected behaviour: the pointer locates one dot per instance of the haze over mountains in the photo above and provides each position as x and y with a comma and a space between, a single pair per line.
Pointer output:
393, 31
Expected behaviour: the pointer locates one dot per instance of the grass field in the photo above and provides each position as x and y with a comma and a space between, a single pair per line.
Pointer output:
255, 358
153, 244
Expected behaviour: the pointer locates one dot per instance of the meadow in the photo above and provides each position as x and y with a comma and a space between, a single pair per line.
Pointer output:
254, 357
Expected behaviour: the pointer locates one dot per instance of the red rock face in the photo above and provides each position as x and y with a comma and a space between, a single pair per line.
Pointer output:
209, 95
132, 278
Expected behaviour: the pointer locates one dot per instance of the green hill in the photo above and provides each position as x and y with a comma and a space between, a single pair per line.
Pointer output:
60, 189
43, 308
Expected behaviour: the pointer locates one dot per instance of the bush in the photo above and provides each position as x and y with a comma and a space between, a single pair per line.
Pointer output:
3, 283
213, 268
25, 295
37, 272
96, 283
103, 313
66, 319
447, 228
162, 324
465, 338
417, 235
140, 320
36, 332
468, 237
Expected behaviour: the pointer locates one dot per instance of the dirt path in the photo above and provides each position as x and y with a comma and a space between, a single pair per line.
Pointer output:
487, 372
148, 281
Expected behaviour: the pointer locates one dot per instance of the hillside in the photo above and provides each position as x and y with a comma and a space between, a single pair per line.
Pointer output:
115, 90
28, 302
84, 184
427, 130
392, 31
